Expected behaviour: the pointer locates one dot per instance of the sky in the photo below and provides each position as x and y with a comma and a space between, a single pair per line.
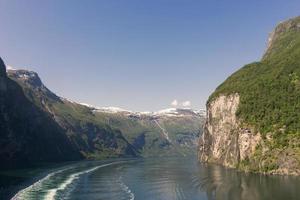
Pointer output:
139, 55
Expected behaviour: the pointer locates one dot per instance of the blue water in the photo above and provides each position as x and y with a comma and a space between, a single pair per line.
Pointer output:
158, 178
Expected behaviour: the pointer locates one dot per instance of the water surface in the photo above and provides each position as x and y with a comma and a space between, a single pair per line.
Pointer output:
158, 178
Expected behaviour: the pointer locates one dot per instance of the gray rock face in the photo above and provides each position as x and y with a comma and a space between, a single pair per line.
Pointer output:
282, 28
28, 77
224, 140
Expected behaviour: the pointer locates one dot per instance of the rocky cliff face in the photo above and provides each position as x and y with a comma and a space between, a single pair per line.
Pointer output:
280, 30
228, 141
225, 141
253, 116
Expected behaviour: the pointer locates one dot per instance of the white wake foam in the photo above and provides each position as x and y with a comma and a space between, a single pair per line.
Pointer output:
50, 194
21, 194
126, 189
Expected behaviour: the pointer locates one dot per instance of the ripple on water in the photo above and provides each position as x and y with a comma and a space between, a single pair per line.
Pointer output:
160, 179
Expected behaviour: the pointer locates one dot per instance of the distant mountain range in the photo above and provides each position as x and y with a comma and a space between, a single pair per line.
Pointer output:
38, 126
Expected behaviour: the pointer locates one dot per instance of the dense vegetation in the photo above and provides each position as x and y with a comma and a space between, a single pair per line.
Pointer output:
270, 91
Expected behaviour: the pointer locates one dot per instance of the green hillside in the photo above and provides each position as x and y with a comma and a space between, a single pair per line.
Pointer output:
270, 93
99, 134
28, 136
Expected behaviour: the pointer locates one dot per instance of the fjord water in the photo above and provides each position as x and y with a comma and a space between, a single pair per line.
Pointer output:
158, 178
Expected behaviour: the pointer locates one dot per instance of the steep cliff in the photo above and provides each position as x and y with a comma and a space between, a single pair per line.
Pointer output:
27, 134
225, 140
92, 138
253, 118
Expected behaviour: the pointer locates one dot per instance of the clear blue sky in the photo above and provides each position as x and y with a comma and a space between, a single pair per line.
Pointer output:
137, 54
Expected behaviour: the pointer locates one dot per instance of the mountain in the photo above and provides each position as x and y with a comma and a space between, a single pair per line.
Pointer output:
253, 118
91, 137
28, 135
166, 132
113, 132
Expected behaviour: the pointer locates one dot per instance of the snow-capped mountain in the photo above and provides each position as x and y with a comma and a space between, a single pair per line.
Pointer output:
112, 129
172, 112
32, 78
109, 109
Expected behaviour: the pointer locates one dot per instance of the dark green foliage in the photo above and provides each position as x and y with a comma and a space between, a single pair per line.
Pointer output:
270, 89
270, 100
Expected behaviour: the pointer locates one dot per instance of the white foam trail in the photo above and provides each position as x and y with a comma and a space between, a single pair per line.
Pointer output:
36, 185
50, 195
126, 189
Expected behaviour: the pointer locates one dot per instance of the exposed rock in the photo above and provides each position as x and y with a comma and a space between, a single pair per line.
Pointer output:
223, 140
282, 28
227, 141
253, 116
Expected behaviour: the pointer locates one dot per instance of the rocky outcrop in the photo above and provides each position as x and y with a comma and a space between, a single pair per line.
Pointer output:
280, 30
253, 116
225, 141
229, 142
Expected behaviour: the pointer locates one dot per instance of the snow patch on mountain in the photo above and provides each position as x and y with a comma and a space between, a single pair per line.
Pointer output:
172, 112
113, 109
8, 67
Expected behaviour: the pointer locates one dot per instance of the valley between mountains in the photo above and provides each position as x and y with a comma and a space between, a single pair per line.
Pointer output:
39, 127
252, 120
